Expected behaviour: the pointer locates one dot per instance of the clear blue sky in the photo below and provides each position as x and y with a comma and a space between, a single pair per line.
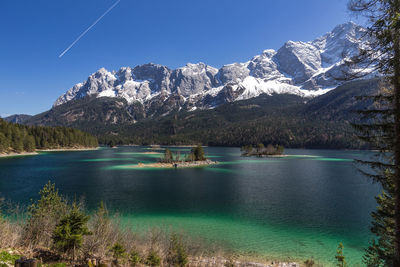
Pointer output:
169, 32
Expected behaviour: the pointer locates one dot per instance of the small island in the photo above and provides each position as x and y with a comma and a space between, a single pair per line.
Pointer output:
261, 151
195, 158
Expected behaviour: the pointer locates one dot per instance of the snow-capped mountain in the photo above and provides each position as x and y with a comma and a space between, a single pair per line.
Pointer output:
306, 69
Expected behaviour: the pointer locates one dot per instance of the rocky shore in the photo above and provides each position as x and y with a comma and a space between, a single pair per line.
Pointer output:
180, 164
68, 149
36, 152
223, 262
4, 155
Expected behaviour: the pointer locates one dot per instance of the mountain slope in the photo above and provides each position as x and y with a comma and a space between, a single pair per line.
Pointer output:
286, 119
17, 118
306, 69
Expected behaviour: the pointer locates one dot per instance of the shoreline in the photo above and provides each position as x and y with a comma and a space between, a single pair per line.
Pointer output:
67, 149
182, 164
266, 156
37, 152
22, 154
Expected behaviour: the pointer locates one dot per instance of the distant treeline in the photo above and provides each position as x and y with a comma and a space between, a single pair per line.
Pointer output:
19, 138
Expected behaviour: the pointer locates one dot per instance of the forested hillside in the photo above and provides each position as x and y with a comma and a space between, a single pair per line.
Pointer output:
283, 119
20, 138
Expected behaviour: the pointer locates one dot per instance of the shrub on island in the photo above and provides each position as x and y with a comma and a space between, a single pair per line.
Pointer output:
261, 151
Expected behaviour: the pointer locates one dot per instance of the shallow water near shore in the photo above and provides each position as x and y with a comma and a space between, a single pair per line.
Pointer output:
295, 207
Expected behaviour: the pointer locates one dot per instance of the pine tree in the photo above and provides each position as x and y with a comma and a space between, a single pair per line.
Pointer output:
44, 214
380, 126
198, 153
68, 234
177, 255
118, 252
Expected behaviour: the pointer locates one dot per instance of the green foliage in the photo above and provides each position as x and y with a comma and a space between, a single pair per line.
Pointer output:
118, 251
58, 264
341, 260
177, 255
198, 153
260, 147
69, 232
6, 257
44, 214
380, 251
19, 138
380, 125
153, 259
134, 258
260, 150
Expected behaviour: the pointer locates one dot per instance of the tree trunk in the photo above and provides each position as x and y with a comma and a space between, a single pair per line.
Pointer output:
73, 254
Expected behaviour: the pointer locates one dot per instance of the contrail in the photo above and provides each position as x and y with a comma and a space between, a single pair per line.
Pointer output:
88, 29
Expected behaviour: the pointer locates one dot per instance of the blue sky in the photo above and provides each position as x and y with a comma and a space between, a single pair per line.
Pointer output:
168, 32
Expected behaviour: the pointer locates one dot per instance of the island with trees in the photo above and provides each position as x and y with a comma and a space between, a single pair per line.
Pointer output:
196, 158
261, 151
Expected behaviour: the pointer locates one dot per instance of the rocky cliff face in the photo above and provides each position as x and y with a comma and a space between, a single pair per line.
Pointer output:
306, 69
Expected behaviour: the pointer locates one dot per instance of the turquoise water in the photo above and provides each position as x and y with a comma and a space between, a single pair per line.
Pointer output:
295, 207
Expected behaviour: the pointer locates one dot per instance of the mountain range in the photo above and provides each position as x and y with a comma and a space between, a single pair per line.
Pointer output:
110, 102
306, 69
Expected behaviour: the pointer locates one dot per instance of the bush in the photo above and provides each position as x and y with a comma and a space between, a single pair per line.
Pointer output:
6, 257
118, 252
134, 258
10, 233
105, 232
153, 259
177, 255
309, 263
58, 264
44, 215
229, 263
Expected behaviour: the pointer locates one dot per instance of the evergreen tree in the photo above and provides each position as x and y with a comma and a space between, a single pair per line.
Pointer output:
153, 259
18, 138
118, 252
68, 234
380, 126
198, 153
177, 255
44, 214
4, 144
134, 258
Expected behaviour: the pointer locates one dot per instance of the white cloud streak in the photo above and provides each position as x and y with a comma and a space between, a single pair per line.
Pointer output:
88, 29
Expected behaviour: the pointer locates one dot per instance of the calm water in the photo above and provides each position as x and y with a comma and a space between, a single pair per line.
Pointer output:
298, 207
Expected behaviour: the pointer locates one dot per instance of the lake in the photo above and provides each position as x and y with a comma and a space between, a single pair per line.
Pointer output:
295, 207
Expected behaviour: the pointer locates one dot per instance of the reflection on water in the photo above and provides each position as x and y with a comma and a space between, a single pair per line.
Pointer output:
301, 205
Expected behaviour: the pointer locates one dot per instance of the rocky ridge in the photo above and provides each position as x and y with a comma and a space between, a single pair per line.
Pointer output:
306, 69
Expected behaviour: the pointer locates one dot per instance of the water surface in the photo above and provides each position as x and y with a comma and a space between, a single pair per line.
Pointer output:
296, 207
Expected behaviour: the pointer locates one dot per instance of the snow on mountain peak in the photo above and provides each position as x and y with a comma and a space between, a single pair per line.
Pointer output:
302, 68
